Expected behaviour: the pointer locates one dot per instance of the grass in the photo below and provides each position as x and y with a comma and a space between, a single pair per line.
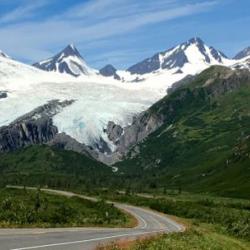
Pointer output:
195, 238
27, 208
229, 216
212, 223
203, 147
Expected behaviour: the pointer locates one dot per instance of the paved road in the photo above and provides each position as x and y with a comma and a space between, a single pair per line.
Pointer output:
149, 222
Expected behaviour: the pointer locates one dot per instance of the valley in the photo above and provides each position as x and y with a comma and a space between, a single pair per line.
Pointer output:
170, 133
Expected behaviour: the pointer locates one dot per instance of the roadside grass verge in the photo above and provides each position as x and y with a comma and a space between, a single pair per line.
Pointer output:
211, 222
228, 216
33, 208
196, 237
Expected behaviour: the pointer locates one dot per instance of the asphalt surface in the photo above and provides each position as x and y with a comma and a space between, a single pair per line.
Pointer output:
149, 223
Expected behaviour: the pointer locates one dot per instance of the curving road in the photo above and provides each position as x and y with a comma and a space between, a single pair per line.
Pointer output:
149, 223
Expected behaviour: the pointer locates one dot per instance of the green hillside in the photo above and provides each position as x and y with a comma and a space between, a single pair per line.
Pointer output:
202, 146
205, 144
47, 166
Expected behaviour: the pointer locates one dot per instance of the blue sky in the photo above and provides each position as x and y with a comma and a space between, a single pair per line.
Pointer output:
120, 32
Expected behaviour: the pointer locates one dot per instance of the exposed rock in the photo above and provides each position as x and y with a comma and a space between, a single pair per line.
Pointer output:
176, 58
3, 94
102, 146
227, 81
109, 70
221, 81
114, 132
142, 126
67, 61
35, 127
66, 142
186, 80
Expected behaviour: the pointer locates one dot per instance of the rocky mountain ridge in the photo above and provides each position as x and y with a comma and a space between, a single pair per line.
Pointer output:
68, 61
35, 127
177, 57
221, 80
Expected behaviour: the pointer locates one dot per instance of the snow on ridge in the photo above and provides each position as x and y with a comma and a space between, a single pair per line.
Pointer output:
98, 99
69, 61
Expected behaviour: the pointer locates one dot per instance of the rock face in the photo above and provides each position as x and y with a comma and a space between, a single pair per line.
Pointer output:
3, 94
186, 80
114, 131
109, 70
66, 142
35, 127
227, 81
141, 127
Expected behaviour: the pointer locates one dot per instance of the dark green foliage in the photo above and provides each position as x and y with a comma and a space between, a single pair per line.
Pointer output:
204, 144
22, 208
46, 166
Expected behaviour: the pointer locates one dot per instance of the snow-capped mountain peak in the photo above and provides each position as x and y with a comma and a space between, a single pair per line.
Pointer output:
69, 61
194, 51
71, 50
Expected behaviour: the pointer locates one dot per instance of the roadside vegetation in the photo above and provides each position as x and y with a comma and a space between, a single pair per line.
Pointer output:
196, 238
28, 208
212, 222
203, 148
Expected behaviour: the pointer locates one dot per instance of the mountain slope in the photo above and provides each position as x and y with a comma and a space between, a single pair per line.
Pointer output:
43, 165
109, 70
203, 143
244, 53
163, 69
97, 100
194, 52
243, 63
68, 61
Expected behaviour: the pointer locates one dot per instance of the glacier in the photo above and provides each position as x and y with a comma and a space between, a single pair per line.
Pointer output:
98, 99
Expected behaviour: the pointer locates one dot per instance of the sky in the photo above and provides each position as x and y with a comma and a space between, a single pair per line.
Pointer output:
119, 32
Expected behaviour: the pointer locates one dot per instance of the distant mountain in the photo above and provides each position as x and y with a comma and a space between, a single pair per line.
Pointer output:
194, 52
109, 70
67, 61
244, 53
98, 100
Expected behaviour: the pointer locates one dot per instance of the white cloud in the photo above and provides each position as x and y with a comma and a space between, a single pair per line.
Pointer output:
96, 20
22, 12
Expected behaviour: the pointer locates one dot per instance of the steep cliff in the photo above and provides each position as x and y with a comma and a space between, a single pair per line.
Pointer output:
35, 127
